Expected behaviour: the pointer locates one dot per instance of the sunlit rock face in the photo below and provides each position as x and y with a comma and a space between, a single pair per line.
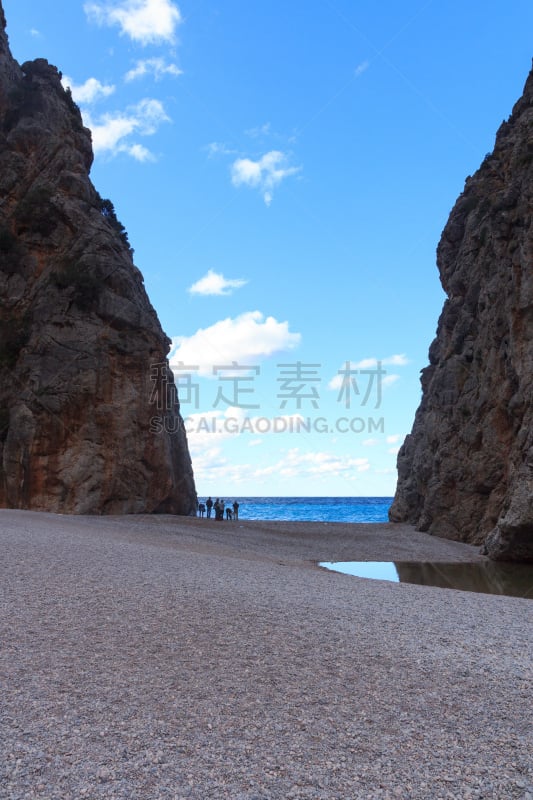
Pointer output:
466, 470
89, 418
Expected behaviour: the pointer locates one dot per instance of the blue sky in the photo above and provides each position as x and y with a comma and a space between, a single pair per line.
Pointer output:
284, 171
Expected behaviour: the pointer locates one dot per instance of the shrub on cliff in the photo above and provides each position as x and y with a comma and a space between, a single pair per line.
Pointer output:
36, 211
14, 335
85, 286
107, 210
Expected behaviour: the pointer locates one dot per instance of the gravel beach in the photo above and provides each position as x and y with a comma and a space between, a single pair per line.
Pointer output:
167, 657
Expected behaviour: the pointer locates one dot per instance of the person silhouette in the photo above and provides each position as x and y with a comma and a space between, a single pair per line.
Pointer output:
209, 506
235, 510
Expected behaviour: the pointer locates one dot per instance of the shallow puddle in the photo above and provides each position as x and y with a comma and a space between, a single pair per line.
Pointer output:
488, 577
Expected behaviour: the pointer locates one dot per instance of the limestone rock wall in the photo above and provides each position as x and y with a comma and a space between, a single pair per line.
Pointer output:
466, 470
83, 367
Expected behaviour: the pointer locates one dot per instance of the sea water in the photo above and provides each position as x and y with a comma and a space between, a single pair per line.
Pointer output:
491, 578
312, 509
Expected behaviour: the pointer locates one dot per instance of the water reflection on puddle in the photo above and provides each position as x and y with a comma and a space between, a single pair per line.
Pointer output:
488, 577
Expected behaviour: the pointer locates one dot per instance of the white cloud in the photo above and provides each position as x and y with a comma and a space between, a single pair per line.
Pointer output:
246, 339
394, 439
149, 115
260, 131
264, 174
144, 21
338, 380
219, 148
152, 66
35, 33
108, 132
88, 92
294, 464
111, 130
139, 152
362, 67
205, 431
216, 283
208, 459
388, 380
399, 360
301, 464
211, 466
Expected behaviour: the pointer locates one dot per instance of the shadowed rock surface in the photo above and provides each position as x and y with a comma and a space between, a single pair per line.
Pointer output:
83, 367
466, 470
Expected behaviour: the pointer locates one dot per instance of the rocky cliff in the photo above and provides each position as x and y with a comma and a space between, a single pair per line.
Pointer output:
83, 369
466, 470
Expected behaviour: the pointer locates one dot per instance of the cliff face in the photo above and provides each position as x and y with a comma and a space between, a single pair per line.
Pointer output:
466, 470
83, 367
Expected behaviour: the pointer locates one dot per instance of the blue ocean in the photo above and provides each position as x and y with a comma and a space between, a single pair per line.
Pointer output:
314, 509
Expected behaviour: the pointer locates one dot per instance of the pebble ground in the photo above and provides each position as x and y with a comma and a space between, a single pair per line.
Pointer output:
155, 658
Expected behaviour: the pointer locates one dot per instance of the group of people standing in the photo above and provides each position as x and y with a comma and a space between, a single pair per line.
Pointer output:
220, 508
